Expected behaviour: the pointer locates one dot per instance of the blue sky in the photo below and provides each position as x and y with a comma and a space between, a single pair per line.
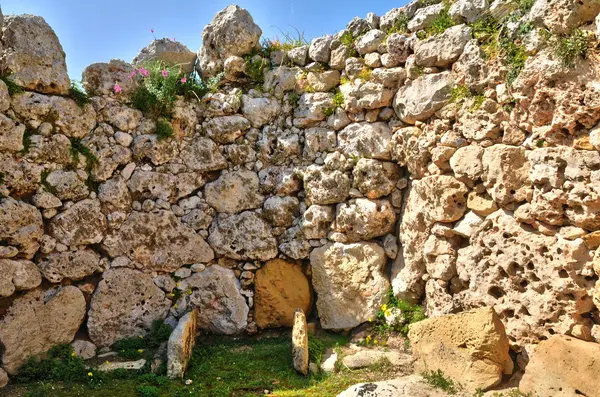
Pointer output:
97, 31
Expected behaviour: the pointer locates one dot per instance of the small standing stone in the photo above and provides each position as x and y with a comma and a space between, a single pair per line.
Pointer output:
181, 345
300, 342
3, 378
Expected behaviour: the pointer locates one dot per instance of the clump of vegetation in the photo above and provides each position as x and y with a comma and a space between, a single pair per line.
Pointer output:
293, 98
289, 42
61, 365
516, 56
13, 88
485, 28
400, 24
459, 93
477, 102
255, 66
27, 141
77, 148
77, 94
365, 74
441, 23
147, 391
338, 101
525, 5
571, 47
427, 3
438, 380
347, 39
135, 348
164, 129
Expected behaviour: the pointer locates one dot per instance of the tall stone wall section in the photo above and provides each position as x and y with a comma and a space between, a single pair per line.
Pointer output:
274, 197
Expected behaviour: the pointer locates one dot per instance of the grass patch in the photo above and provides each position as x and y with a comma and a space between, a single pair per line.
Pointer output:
516, 56
164, 129
441, 23
13, 88
525, 5
460, 93
77, 148
365, 74
438, 380
139, 347
571, 47
27, 141
477, 102
77, 94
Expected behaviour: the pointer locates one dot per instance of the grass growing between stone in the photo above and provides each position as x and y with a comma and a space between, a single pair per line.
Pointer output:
221, 367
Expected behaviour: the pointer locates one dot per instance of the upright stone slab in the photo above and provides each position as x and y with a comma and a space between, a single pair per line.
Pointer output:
181, 345
300, 342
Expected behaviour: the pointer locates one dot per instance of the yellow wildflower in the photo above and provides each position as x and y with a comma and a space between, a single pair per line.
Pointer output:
73, 354
90, 374
384, 307
375, 342
141, 337
387, 313
369, 338
140, 350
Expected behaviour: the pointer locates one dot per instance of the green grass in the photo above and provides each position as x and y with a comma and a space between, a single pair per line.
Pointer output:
27, 141
525, 5
77, 148
571, 47
77, 94
459, 93
438, 380
516, 56
164, 129
13, 88
139, 347
220, 367
477, 102
442, 22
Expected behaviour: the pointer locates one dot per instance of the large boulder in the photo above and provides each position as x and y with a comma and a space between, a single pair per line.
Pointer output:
527, 277
124, 305
442, 50
181, 344
17, 276
33, 56
350, 282
280, 288
438, 198
170, 52
562, 366
506, 173
100, 78
562, 16
471, 347
365, 219
234, 192
216, 294
157, 241
232, 32
243, 236
419, 99
38, 321
83, 223
21, 226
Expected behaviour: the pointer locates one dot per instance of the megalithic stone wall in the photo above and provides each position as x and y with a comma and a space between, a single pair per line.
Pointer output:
449, 152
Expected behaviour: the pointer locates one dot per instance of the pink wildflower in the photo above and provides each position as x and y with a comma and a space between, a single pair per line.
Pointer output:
144, 72
165, 73
132, 74
117, 88
184, 80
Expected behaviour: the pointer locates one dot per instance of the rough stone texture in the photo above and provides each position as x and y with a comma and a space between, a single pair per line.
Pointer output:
33, 56
73, 265
46, 317
470, 348
442, 50
232, 32
375, 178
168, 51
300, 343
215, 293
365, 219
370, 140
17, 276
3, 378
157, 241
234, 192
203, 155
419, 99
562, 366
83, 223
410, 386
20, 226
280, 288
100, 78
84, 349
505, 173
326, 187
124, 305
350, 283
562, 16
181, 344
526, 276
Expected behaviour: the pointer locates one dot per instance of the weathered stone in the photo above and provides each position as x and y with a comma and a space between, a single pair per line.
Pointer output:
425, 17
181, 344
298, 55
83, 223
370, 41
234, 192
280, 288
505, 173
73, 265
365, 219
46, 317
67, 185
466, 163
316, 221
409, 386
281, 211
323, 81
300, 343
18, 276
260, 111
11, 134
375, 178
319, 50
100, 78
226, 129
343, 302
125, 304
528, 278
562, 366
442, 50
84, 349
410, 147
471, 347
203, 155
419, 99
365, 358
326, 187
311, 108
21, 226
171, 52
468, 10
399, 49
562, 16
3, 378
215, 292
33, 56
243, 236
232, 32
369, 140
157, 241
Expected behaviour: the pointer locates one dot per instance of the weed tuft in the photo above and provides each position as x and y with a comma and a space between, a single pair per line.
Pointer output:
77, 94
571, 47
164, 129
438, 380
459, 93
13, 88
